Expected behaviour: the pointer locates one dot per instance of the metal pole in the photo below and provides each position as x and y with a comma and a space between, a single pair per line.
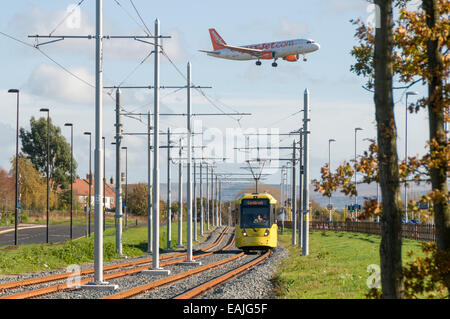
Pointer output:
212, 198
48, 177
217, 201
16, 206
98, 247
155, 261
189, 163
90, 187
201, 201
305, 250
329, 169
300, 191
104, 183
71, 182
180, 198
149, 186
169, 204
126, 186
195, 202
207, 198
282, 198
406, 156
356, 185
118, 143
294, 200
220, 201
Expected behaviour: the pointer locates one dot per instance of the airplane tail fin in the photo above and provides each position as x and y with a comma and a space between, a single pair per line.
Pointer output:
217, 42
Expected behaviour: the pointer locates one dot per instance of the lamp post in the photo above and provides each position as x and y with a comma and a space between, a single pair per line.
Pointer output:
48, 158
90, 182
71, 178
16, 206
126, 184
356, 197
329, 169
104, 184
406, 148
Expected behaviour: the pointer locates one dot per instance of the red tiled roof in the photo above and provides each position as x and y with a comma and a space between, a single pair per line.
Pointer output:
81, 188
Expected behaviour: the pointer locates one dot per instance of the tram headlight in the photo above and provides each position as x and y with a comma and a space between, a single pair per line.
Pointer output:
266, 233
244, 233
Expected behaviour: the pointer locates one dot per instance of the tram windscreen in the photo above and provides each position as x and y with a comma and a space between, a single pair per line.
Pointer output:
255, 213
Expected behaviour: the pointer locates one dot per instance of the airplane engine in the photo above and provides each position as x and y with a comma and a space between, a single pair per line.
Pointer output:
267, 55
292, 58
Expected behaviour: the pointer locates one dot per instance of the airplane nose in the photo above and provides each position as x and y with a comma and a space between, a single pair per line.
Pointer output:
317, 46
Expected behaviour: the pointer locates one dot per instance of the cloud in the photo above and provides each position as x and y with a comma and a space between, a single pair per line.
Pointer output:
291, 29
50, 81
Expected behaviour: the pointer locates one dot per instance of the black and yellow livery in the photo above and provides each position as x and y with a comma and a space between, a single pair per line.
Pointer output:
256, 225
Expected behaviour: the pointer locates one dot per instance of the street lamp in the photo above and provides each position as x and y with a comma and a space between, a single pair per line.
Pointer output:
48, 158
71, 178
90, 182
104, 184
329, 169
126, 184
16, 206
406, 148
356, 197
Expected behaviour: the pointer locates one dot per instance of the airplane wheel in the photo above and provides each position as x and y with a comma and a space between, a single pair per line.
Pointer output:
274, 64
258, 62
305, 60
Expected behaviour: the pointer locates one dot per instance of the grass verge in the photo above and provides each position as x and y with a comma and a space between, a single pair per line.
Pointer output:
41, 257
336, 267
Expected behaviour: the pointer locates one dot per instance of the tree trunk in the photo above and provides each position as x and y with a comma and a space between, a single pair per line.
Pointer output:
390, 246
436, 109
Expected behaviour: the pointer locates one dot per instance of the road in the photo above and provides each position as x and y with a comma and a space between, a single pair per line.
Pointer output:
36, 234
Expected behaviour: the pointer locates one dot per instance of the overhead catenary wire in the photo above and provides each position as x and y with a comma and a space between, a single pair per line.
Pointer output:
67, 16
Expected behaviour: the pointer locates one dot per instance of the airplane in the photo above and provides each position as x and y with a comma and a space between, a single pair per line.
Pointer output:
287, 50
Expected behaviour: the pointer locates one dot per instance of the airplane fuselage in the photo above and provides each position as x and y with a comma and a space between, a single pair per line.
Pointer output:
279, 49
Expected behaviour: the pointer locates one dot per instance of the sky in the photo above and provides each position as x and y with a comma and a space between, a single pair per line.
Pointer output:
274, 96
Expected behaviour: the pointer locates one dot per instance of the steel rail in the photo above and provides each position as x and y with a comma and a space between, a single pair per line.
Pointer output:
220, 280
165, 281
61, 287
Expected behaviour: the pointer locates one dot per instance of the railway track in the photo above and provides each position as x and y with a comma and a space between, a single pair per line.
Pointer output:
198, 289
167, 260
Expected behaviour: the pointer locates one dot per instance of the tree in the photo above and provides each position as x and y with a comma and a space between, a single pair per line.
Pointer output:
34, 148
32, 185
7, 193
137, 200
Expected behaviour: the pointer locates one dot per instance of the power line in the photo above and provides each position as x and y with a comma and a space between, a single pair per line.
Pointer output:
131, 17
65, 18
142, 20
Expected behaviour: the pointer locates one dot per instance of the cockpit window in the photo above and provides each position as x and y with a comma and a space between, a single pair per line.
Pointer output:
310, 41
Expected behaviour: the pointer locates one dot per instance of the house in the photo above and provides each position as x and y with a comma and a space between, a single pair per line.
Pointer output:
81, 193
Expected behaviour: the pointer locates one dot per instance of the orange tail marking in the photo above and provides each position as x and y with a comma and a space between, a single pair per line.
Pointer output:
217, 41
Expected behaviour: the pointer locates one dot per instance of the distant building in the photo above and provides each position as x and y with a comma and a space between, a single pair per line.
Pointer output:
81, 193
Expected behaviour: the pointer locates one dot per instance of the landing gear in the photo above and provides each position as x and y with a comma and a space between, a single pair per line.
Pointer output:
258, 63
274, 64
304, 58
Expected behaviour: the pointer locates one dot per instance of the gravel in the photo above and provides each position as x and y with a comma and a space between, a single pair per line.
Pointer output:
254, 284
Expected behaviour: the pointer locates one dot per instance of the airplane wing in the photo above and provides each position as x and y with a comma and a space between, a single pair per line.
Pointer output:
255, 52
212, 52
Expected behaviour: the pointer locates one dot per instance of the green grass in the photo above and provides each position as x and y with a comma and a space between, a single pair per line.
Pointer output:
40, 257
336, 267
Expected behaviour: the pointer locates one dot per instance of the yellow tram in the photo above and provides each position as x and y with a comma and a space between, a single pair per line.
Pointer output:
256, 225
